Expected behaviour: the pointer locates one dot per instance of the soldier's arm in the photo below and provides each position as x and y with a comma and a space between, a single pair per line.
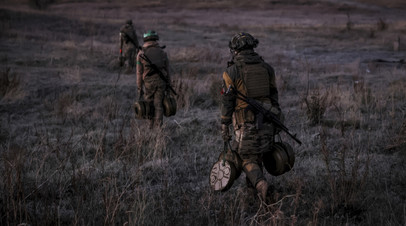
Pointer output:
273, 89
167, 68
227, 101
121, 43
140, 72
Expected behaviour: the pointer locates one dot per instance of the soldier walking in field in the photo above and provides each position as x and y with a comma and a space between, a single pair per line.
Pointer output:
128, 46
150, 59
251, 76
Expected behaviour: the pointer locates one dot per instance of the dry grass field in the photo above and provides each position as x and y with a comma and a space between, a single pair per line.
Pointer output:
72, 152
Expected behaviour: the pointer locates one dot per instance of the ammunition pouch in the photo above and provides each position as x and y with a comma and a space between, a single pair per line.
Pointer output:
243, 116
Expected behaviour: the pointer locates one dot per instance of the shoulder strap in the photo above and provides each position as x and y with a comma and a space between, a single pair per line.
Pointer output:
239, 66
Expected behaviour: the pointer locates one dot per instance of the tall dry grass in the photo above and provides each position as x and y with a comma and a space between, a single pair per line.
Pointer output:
74, 154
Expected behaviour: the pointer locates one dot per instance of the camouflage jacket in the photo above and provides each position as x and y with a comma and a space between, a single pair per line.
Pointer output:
254, 78
157, 56
128, 37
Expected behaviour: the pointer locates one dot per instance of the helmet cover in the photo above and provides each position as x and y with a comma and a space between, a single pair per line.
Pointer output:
150, 35
242, 41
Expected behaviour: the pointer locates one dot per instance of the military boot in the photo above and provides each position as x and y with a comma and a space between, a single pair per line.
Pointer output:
158, 122
151, 123
248, 183
262, 188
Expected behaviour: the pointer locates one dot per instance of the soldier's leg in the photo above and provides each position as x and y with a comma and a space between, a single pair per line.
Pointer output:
253, 171
150, 89
250, 150
158, 98
128, 59
131, 58
252, 168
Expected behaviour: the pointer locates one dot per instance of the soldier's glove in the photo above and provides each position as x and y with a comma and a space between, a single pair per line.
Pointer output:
140, 94
277, 111
225, 133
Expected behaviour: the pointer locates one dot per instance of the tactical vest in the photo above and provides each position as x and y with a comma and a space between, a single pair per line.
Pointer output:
255, 78
256, 81
156, 55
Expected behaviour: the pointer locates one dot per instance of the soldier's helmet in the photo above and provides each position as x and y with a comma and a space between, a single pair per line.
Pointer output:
129, 22
150, 35
242, 41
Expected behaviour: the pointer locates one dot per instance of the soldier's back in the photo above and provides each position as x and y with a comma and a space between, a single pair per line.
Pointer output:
129, 31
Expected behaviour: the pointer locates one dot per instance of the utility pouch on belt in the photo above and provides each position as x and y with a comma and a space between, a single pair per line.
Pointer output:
244, 115
247, 116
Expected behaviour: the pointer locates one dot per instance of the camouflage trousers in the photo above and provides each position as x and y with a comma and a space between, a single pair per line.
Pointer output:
154, 93
252, 143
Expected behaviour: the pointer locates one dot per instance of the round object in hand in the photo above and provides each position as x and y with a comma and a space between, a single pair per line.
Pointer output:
143, 109
280, 159
232, 156
169, 104
290, 153
222, 175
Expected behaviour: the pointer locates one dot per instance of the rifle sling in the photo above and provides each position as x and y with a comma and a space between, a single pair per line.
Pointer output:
154, 69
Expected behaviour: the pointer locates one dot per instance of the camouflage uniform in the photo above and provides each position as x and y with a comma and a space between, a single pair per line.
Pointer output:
155, 87
251, 76
129, 45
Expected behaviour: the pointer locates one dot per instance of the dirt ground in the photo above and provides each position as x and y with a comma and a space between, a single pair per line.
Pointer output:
72, 152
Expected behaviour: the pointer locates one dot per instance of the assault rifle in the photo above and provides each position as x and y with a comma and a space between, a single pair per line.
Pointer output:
154, 70
259, 109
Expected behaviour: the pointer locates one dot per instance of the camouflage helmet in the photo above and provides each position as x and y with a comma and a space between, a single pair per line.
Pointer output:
242, 41
150, 35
